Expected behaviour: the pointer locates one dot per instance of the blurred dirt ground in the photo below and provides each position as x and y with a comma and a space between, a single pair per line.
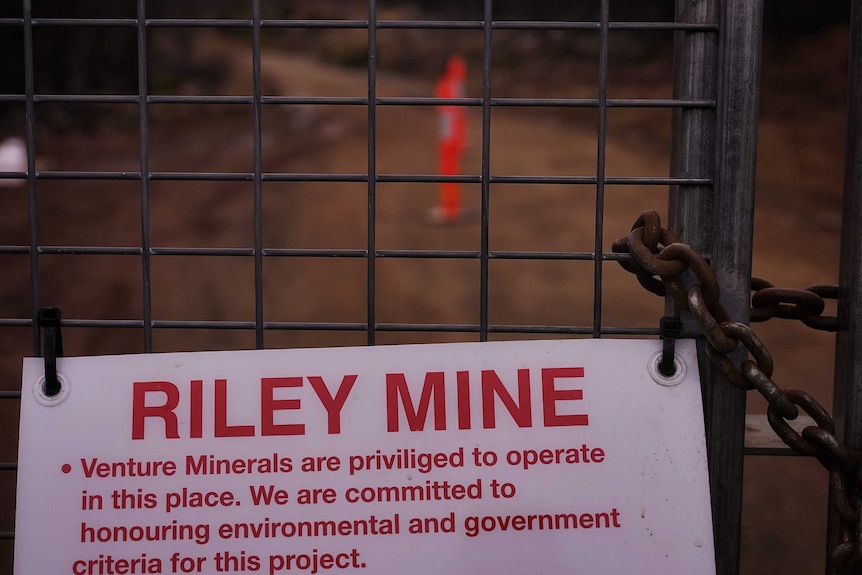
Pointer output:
800, 166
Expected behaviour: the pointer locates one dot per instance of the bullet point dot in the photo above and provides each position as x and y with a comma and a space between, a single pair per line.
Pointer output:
66, 468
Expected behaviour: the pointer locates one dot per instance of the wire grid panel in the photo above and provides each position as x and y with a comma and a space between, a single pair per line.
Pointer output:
261, 211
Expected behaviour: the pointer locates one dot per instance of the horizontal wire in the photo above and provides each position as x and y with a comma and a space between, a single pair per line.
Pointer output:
363, 24
312, 253
361, 178
344, 326
361, 101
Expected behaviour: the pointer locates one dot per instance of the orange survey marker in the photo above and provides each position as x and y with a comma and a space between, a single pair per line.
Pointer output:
453, 135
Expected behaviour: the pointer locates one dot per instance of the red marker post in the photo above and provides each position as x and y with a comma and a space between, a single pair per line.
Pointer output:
453, 136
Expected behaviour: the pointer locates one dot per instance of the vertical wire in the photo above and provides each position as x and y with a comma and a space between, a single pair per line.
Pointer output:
143, 127
258, 178
372, 171
598, 260
486, 167
30, 111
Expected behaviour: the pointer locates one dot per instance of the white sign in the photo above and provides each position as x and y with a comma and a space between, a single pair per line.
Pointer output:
500, 458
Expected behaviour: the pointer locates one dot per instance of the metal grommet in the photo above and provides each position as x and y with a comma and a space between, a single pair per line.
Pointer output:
666, 380
41, 395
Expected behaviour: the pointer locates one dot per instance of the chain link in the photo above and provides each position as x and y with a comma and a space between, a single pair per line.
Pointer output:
660, 260
806, 305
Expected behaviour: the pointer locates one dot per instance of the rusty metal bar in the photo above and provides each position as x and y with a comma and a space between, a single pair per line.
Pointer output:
847, 392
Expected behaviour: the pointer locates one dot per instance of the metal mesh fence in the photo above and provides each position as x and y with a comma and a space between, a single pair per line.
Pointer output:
255, 198
369, 259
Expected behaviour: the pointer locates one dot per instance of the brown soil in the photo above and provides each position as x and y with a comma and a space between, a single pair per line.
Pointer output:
796, 239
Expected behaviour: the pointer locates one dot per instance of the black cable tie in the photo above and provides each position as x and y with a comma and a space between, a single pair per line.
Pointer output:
670, 330
49, 321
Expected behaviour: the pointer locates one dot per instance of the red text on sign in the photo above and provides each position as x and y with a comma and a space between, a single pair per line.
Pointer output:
492, 392
160, 400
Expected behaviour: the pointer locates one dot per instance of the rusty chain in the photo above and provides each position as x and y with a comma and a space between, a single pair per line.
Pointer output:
660, 260
806, 305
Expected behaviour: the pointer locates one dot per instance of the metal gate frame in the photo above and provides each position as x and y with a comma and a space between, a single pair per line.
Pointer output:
720, 221
715, 107
727, 159
847, 395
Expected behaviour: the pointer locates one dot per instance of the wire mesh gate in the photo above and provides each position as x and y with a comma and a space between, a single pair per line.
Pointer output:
712, 126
